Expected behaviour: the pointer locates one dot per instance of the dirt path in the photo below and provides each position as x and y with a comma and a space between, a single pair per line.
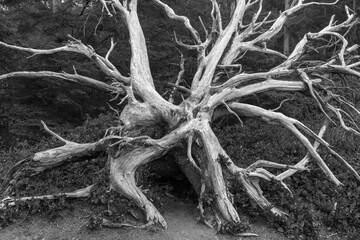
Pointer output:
180, 216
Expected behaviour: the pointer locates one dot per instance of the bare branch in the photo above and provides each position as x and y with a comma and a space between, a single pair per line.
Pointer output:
110, 49
238, 44
216, 17
280, 21
201, 85
75, 78
307, 158
331, 29
99, 22
44, 160
264, 163
204, 27
36, 51
309, 84
148, 126
172, 15
214, 150
281, 103
291, 124
232, 112
103, 2
77, 46
179, 77
80, 193
230, 94
56, 135
189, 154
122, 7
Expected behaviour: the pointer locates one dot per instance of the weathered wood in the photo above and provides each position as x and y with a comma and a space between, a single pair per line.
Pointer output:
150, 126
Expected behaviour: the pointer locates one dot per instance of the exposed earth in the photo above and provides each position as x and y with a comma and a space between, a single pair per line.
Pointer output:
180, 215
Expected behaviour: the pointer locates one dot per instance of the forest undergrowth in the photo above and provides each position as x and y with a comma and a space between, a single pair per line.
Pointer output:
315, 205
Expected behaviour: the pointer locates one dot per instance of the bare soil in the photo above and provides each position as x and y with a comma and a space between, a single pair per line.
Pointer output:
180, 215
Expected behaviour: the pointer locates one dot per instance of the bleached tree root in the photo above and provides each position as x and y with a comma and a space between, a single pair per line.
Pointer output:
247, 178
288, 173
219, 81
80, 193
213, 176
122, 180
110, 224
42, 161
293, 125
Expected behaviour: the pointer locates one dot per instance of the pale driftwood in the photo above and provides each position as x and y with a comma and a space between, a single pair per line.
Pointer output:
80, 193
187, 125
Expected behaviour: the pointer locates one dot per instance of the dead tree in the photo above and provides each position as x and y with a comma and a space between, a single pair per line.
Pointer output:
219, 83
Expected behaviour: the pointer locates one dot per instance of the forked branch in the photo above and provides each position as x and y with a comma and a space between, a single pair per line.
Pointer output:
75, 45
293, 125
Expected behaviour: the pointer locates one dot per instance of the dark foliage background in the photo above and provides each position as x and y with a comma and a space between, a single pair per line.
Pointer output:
82, 114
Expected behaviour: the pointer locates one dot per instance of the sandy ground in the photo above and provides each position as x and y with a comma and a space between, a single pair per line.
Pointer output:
180, 216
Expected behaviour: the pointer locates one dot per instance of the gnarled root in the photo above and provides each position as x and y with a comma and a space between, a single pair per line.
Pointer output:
41, 161
122, 179
212, 175
255, 193
248, 179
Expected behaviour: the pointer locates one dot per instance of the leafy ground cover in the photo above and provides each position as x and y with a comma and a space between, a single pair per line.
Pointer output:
315, 206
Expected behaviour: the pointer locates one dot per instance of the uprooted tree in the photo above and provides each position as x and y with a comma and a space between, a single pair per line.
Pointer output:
217, 89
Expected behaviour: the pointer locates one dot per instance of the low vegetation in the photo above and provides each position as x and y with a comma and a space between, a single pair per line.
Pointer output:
315, 210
